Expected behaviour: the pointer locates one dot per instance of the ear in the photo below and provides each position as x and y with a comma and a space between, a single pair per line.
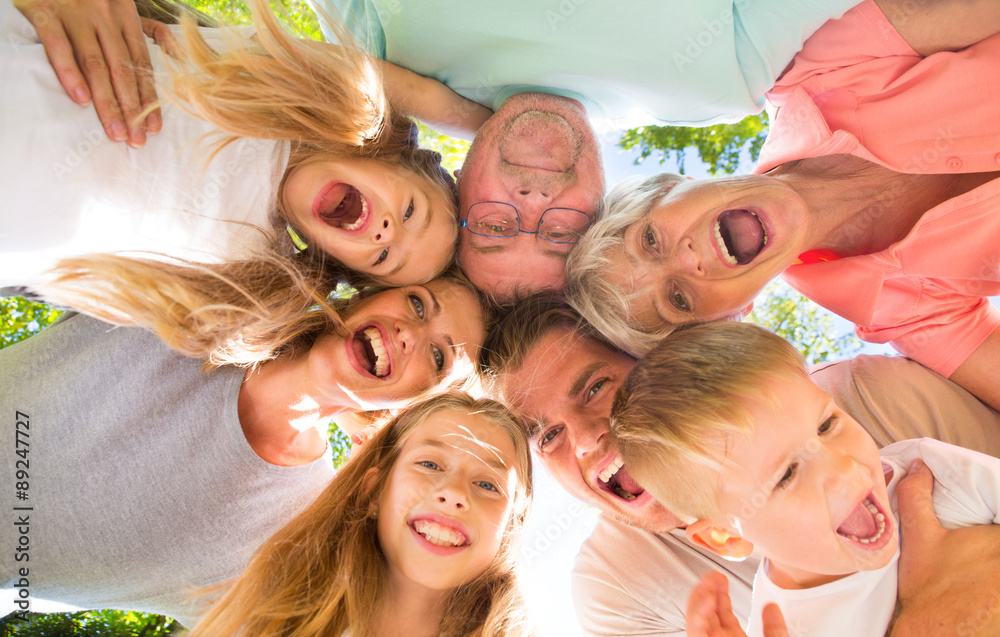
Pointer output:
746, 311
457, 171
718, 540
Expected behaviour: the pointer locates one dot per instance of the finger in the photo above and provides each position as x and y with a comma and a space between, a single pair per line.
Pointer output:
774, 622
138, 48
58, 49
163, 36
90, 59
917, 520
124, 81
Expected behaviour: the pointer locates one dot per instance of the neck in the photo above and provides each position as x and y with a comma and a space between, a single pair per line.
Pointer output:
410, 610
858, 207
790, 578
283, 416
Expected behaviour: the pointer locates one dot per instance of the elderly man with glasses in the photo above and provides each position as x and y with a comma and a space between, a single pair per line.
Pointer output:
531, 185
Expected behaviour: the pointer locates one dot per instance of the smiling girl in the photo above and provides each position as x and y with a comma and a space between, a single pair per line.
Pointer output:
417, 535
252, 144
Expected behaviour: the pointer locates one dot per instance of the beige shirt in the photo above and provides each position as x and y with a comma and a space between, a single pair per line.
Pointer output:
633, 582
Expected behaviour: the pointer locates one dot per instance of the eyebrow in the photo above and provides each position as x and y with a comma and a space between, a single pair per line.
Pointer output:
489, 249
492, 462
582, 378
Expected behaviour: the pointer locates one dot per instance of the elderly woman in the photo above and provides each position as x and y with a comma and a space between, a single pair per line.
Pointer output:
146, 479
875, 196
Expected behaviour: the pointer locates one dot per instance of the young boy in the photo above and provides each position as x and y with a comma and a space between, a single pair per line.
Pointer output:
722, 425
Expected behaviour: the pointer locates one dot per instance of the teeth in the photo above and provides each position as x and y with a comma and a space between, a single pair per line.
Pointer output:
361, 218
381, 360
730, 259
623, 494
438, 534
879, 518
611, 469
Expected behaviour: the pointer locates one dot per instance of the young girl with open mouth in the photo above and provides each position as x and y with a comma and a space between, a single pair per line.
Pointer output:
269, 134
416, 535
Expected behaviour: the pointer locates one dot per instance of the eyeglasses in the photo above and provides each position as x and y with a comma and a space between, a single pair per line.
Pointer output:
500, 220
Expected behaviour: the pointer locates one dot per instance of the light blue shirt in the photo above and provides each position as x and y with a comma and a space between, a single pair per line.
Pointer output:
682, 62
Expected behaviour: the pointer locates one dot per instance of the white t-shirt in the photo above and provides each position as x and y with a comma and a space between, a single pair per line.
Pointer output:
67, 190
628, 581
966, 493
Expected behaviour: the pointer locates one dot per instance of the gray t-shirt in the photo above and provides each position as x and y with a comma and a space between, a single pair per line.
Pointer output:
141, 484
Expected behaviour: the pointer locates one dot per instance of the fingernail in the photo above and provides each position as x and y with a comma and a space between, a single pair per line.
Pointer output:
137, 139
118, 130
81, 95
154, 123
916, 466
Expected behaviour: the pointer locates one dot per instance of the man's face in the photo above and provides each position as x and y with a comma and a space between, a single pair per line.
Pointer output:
564, 390
536, 152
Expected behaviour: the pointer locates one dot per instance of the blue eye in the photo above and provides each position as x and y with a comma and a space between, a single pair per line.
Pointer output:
649, 238
418, 305
438, 357
382, 257
430, 465
409, 212
489, 486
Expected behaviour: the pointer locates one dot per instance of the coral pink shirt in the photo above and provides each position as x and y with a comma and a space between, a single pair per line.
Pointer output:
857, 88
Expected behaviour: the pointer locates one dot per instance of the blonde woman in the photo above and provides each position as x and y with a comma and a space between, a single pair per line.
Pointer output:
274, 135
159, 480
416, 535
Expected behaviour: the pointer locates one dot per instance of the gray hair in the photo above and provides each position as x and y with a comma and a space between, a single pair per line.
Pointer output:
602, 303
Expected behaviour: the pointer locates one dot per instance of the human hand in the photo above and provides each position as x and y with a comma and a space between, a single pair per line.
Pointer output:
710, 612
98, 52
948, 585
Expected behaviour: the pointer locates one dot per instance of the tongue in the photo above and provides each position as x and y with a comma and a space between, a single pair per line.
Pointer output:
341, 205
860, 523
743, 234
626, 482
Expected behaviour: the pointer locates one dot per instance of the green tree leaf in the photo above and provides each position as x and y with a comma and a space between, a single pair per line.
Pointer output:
718, 146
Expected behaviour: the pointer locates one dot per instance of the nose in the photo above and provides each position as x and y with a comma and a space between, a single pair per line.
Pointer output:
385, 231
686, 259
451, 492
409, 335
588, 434
843, 473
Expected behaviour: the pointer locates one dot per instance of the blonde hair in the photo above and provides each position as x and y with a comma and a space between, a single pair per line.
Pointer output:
324, 572
330, 102
604, 304
674, 412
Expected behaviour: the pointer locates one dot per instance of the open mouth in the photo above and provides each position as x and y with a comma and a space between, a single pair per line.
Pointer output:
343, 206
615, 479
740, 235
371, 352
439, 534
866, 523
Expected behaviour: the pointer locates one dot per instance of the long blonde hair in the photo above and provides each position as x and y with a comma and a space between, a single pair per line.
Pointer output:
324, 572
329, 102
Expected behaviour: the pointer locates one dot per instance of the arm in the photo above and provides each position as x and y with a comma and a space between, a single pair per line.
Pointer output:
710, 612
930, 26
979, 373
432, 102
98, 51
947, 579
